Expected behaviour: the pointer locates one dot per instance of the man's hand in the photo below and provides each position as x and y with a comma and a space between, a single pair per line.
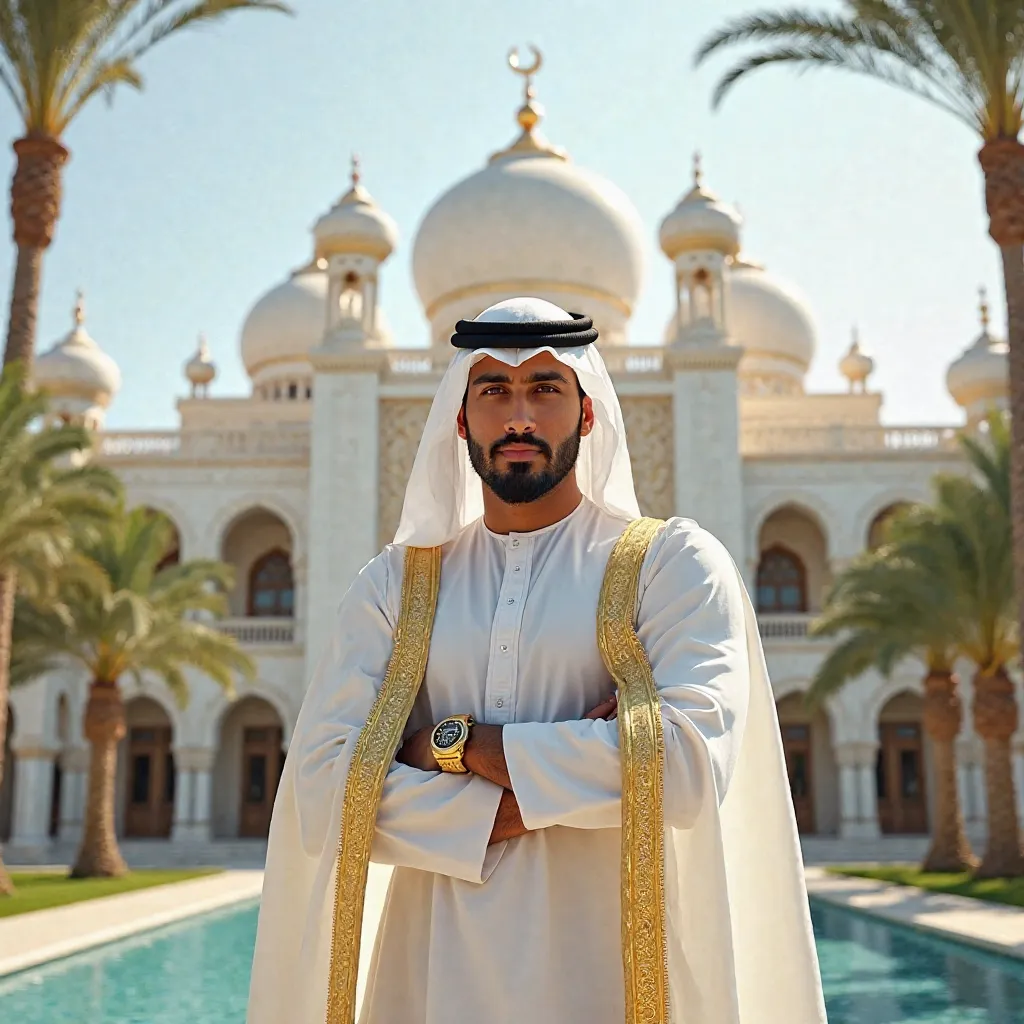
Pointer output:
608, 709
416, 752
508, 822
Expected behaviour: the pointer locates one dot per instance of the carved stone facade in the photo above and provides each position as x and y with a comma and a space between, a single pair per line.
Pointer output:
649, 433
401, 426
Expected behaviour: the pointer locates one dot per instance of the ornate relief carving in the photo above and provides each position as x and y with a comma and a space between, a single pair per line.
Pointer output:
401, 426
649, 433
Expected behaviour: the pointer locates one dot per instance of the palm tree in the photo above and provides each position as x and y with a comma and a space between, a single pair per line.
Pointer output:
887, 607
966, 57
56, 56
125, 618
43, 499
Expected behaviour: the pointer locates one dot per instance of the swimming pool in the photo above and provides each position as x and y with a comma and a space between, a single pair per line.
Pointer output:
197, 973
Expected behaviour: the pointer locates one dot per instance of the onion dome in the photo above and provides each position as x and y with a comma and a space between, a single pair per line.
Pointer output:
856, 366
80, 378
979, 379
287, 321
773, 326
200, 370
531, 222
355, 224
700, 222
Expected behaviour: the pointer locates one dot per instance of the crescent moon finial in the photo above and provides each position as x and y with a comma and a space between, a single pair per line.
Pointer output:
517, 66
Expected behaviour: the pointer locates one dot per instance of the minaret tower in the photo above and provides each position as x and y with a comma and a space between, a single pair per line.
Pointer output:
700, 236
354, 238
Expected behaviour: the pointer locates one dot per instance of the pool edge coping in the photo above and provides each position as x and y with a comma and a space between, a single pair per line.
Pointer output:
817, 889
245, 885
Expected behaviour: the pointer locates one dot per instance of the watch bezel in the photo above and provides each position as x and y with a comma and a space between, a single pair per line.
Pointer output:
461, 739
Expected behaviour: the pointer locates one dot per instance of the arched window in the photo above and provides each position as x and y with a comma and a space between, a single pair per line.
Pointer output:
271, 587
781, 582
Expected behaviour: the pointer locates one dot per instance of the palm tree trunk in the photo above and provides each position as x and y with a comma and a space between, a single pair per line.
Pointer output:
6, 618
995, 721
35, 208
1002, 161
104, 727
943, 714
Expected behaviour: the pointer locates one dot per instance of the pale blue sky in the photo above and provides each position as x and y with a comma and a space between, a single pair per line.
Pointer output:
184, 203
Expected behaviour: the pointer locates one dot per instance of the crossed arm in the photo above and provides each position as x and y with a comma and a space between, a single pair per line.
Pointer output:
485, 756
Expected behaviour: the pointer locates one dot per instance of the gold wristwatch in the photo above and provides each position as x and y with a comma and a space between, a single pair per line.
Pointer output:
448, 741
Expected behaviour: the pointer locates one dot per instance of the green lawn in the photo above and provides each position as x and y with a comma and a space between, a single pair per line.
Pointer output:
39, 890
994, 890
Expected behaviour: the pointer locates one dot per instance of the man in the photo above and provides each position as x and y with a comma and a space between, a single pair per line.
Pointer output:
562, 855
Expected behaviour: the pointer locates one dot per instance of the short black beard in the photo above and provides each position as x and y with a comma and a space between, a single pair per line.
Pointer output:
520, 485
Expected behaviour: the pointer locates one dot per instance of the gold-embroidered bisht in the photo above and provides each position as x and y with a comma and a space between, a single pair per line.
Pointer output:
644, 955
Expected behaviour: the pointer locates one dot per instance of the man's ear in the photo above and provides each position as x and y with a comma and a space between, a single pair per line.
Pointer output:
587, 419
460, 422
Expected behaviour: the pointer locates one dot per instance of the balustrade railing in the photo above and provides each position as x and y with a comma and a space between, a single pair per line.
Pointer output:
259, 631
794, 626
845, 439
284, 441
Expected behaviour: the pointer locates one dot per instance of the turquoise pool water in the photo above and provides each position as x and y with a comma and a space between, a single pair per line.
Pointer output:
197, 973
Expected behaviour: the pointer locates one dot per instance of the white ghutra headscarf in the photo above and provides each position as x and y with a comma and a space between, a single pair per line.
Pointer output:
444, 493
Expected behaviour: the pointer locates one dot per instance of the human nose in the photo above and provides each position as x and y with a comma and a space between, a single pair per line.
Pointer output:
520, 419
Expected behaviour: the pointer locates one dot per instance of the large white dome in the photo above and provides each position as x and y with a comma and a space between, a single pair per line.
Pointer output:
773, 326
979, 380
286, 322
530, 223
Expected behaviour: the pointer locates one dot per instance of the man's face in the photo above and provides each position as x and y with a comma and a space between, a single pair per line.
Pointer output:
523, 425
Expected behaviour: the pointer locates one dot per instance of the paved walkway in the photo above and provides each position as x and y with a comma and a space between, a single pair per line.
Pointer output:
33, 938
990, 925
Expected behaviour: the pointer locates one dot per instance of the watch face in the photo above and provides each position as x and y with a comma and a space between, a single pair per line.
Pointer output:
449, 733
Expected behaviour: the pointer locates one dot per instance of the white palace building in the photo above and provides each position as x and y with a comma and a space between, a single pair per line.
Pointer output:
300, 482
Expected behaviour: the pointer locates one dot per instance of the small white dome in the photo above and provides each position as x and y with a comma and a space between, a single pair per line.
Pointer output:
77, 369
286, 322
530, 222
773, 326
979, 379
201, 370
355, 224
856, 366
700, 221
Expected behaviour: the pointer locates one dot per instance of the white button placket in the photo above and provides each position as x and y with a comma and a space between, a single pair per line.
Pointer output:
508, 621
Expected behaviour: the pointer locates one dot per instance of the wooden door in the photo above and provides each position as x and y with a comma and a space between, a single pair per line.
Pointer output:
900, 782
262, 761
796, 741
151, 781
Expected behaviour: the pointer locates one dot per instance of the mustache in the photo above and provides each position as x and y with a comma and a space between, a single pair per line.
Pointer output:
526, 440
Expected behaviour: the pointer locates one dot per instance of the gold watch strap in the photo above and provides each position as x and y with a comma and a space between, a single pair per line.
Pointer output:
452, 762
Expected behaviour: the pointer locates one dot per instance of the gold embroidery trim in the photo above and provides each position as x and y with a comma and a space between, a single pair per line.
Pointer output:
642, 750
375, 750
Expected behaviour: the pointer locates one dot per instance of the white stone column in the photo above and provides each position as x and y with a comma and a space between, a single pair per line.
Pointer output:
708, 463
33, 789
193, 795
75, 767
858, 808
343, 487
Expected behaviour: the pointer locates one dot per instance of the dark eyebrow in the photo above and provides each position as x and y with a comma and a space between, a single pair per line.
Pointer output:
492, 378
540, 377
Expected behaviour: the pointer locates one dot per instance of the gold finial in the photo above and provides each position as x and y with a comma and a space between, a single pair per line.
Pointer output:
983, 308
356, 176
530, 113
698, 169
79, 311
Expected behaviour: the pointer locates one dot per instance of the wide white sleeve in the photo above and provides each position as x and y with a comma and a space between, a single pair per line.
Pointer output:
432, 821
691, 623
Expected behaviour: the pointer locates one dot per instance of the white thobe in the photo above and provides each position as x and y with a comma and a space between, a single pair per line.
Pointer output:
526, 930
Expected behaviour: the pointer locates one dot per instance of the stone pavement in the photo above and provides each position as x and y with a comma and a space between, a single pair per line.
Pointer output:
34, 938
990, 925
